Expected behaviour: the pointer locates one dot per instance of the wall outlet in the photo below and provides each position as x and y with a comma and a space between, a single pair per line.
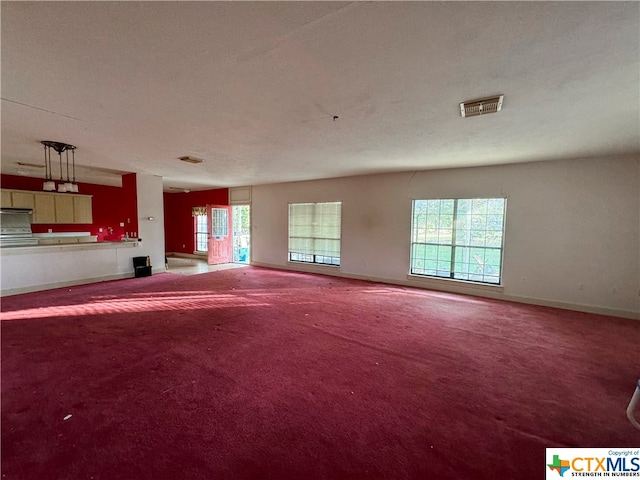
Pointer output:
122, 224
50, 230
100, 230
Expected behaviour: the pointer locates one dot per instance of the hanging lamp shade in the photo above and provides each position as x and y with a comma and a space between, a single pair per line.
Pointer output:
64, 186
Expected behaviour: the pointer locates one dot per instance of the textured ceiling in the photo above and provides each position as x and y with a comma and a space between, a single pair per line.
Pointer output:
252, 88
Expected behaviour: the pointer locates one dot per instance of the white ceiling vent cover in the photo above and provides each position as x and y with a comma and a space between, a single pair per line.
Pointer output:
191, 160
482, 106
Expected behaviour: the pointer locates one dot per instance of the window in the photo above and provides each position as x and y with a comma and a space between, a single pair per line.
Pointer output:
200, 229
314, 232
219, 222
458, 238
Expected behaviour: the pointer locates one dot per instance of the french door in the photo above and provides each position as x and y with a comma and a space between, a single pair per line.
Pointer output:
220, 232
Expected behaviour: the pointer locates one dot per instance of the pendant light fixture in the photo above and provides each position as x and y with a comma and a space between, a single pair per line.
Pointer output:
68, 186
49, 185
74, 185
61, 186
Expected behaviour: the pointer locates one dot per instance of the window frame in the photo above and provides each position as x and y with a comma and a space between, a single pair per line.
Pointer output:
197, 232
454, 260
317, 256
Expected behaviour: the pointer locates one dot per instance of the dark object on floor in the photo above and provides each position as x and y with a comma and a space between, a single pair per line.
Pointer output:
142, 266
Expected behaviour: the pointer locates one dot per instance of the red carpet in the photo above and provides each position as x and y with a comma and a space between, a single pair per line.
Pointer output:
254, 373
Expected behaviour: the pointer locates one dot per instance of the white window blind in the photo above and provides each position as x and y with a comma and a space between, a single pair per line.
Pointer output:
314, 232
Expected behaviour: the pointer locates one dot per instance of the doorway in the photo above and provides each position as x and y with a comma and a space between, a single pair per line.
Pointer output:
223, 233
241, 238
220, 237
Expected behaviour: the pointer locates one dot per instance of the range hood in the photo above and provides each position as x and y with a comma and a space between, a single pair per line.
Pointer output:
16, 211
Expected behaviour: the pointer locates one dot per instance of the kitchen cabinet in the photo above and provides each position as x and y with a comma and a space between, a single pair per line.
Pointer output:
22, 199
65, 240
49, 241
51, 207
6, 198
44, 210
82, 209
64, 208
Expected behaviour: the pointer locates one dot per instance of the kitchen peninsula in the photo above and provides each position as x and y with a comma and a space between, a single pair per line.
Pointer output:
35, 268
84, 247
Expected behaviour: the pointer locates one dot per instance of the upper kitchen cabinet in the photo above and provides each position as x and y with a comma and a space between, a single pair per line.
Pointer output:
20, 199
70, 208
82, 209
51, 207
44, 210
64, 208
17, 199
6, 198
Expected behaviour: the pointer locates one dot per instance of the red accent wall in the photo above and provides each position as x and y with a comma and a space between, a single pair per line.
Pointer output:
178, 221
129, 204
111, 206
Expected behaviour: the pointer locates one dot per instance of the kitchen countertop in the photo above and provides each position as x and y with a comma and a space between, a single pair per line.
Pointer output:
62, 234
65, 247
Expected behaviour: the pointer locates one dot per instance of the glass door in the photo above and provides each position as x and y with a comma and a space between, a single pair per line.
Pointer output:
241, 233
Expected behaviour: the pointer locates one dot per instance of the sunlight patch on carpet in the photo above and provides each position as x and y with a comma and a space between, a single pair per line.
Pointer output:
137, 304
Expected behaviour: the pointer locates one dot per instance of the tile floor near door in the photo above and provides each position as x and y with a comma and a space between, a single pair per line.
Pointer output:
195, 266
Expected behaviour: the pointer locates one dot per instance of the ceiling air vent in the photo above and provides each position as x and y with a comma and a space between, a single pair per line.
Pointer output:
191, 160
481, 107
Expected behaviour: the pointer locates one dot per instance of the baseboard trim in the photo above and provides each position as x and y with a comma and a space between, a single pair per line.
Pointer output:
462, 289
50, 286
185, 255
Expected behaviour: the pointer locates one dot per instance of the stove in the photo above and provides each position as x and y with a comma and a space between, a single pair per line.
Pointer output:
17, 240
15, 228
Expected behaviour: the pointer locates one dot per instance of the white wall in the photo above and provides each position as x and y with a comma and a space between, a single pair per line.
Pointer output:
571, 239
29, 269
150, 204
